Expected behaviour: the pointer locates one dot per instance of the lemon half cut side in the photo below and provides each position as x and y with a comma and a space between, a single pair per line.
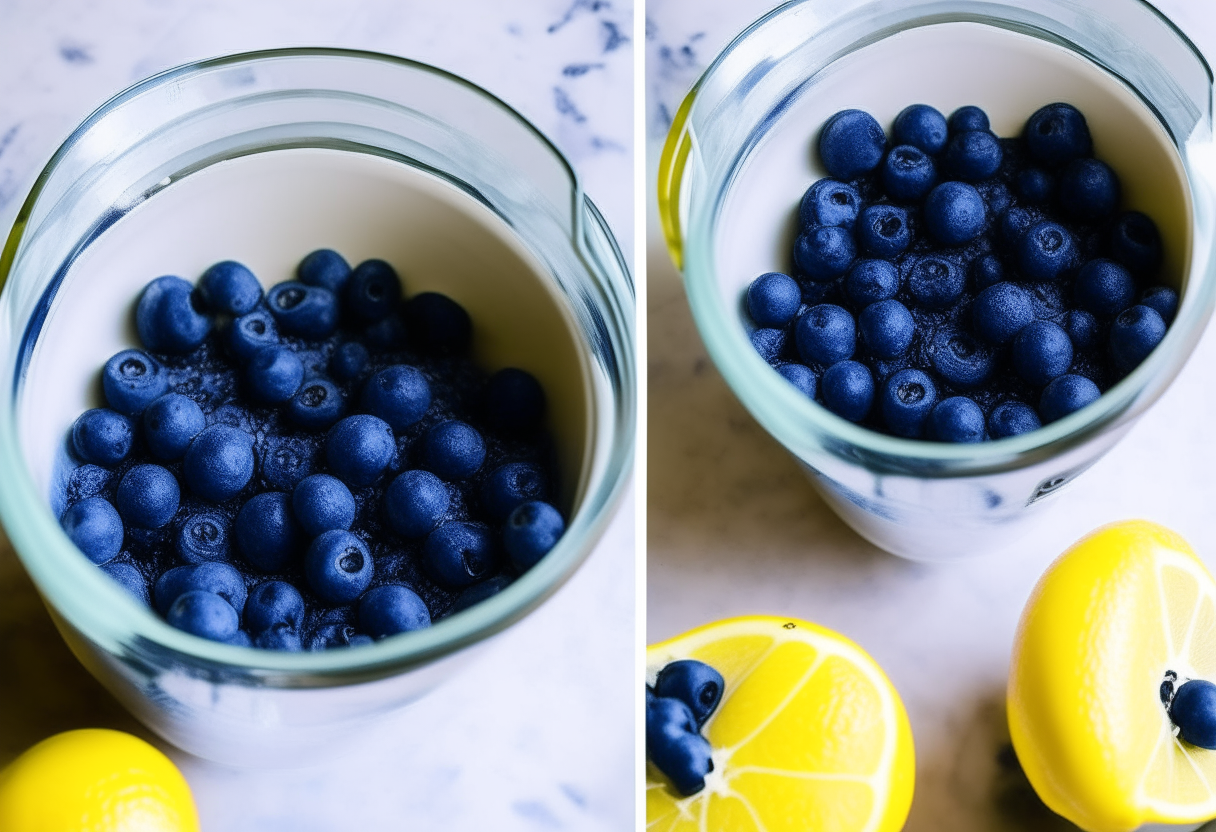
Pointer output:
810, 734
1106, 623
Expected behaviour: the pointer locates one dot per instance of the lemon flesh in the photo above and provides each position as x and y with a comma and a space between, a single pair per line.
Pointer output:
95, 780
1103, 626
810, 734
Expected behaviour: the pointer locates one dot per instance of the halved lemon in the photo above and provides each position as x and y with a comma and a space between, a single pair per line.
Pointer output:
810, 734
1103, 627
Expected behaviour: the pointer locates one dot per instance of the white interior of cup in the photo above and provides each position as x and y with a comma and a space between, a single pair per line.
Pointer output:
268, 210
948, 65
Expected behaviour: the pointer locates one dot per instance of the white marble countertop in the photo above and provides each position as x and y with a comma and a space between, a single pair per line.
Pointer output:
539, 733
735, 528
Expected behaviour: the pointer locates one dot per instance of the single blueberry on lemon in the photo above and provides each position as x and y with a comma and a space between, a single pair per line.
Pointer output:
1119, 625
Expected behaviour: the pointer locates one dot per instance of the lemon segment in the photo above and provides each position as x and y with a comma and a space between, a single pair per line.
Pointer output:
95, 780
1103, 626
810, 734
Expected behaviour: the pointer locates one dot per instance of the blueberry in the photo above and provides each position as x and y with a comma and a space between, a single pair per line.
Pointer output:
102, 436
316, 405
170, 424
1136, 243
274, 374
1082, 329
882, 230
870, 281
1103, 287
773, 299
220, 578
147, 497
886, 328
956, 419
348, 361
1036, 186
936, 282
826, 334
962, 361
799, 375
168, 317
829, 202
1041, 351
973, 155
391, 609
229, 288
1066, 394
459, 554
694, 683
531, 531
848, 390
967, 118
416, 501
359, 448
438, 324
1134, 334
400, 395
1012, 418
274, 604
88, 481
954, 213
507, 487
824, 253
1089, 190
266, 531
95, 527
674, 745
921, 126
372, 292
203, 537
1056, 134
908, 174
1013, 226
769, 343
218, 463
1193, 710
285, 460
1045, 251
996, 196
851, 143
322, 503
299, 309
1164, 300
514, 401
279, 638
129, 578
453, 450
338, 566
1000, 311
907, 398
325, 268
132, 380
250, 333
478, 592
204, 614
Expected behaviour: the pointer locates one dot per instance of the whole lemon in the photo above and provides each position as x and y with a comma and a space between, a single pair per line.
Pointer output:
95, 780
1113, 630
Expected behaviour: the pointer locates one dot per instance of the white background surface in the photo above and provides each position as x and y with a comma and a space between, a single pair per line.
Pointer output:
735, 528
539, 734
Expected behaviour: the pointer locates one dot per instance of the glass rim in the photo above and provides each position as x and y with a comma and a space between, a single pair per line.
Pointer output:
72, 585
798, 421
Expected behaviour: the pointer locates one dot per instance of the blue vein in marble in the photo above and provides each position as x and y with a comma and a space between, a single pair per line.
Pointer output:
73, 54
614, 37
8, 137
575, 70
566, 107
537, 812
579, 6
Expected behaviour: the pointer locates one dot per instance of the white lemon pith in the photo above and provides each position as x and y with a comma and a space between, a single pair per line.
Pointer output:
1103, 626
810, 734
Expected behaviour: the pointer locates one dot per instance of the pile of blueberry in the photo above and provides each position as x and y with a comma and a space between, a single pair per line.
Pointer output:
954, 286
684, 696
319, 466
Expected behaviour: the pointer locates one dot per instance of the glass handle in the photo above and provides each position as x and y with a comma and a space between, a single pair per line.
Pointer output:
671, 178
